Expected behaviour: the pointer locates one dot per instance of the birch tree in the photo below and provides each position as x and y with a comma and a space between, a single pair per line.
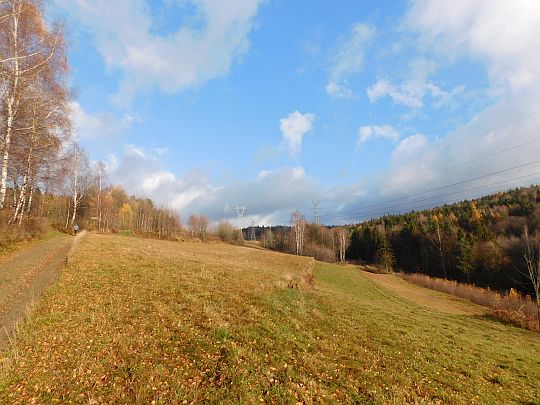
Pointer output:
79, 180
26, 47
343, 241
299, 224
45, 114
100, 172
532, 262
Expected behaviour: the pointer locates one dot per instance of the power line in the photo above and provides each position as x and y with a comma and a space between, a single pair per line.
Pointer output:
401, 207
508, 123
429, 206
459, 165
442, 187
383, 205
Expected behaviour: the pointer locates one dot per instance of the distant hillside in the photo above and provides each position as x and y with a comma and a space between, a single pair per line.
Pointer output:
480, 241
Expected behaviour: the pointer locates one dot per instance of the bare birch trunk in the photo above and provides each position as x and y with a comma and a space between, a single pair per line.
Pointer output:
10, 110
30, 198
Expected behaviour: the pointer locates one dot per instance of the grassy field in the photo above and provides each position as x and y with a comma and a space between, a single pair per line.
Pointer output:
143, 321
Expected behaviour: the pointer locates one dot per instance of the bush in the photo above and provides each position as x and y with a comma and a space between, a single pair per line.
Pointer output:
510, 306
229, 234
30, 229
225, 232
320, 253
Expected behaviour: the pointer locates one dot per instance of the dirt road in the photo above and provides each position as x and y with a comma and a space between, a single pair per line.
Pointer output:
24, 276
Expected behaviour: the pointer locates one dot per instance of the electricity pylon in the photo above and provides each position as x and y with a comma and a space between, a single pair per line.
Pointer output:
316, 209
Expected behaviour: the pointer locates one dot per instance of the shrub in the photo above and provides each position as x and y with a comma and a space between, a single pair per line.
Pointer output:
229, 234
320, 253
30, 229
510, 306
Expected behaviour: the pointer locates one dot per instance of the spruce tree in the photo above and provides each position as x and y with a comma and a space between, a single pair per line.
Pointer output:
464, 257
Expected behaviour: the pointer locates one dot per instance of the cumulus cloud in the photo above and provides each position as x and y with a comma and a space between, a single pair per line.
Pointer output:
365, 133
270, 198
194, 54
99, 125
143, 173
496, 149
503, 34
294, 127
348, 61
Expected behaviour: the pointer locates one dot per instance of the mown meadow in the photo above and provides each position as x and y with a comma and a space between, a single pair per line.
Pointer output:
133, 320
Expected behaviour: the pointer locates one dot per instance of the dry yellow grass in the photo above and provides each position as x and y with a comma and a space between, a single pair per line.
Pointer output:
143, 321
427, 298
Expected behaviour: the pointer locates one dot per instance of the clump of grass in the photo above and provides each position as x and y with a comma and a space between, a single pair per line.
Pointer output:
309, 279
510, 306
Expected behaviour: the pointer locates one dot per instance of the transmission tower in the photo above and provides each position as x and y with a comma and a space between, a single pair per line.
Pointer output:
252, 231
316, 210
240, 212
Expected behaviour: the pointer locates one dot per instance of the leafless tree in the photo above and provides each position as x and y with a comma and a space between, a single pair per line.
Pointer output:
299, 224
532, 261
27, 46
100, 169
438, 242
45, 126
79, 178
198, 226
343, 240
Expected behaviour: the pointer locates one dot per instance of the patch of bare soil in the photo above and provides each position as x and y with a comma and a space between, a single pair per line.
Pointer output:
425, 297
25, 275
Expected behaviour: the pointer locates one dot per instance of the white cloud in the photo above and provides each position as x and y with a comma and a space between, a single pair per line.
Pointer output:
348, 61
99, 125
271, 197
411, 93
156, 179
365, 133
142, 172
503, 34
264, 173
408, 148
339, 90
124, 36
469, 29
505, 37
294, 127
298, 173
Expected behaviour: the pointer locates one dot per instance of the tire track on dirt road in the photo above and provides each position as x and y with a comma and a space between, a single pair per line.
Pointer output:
25, 275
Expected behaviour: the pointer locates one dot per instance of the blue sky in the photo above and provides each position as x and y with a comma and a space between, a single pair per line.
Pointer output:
205, 104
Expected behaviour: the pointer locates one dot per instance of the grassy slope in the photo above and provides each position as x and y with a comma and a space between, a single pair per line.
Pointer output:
135, 320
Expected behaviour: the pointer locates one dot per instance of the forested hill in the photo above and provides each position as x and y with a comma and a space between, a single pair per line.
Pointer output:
480, 241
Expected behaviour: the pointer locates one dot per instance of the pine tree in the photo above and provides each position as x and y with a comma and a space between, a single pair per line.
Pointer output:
385, 255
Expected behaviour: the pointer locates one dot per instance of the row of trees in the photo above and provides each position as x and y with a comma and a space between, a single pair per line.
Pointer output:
35, 105
44, 173
306, 239
481, 241
490, 241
